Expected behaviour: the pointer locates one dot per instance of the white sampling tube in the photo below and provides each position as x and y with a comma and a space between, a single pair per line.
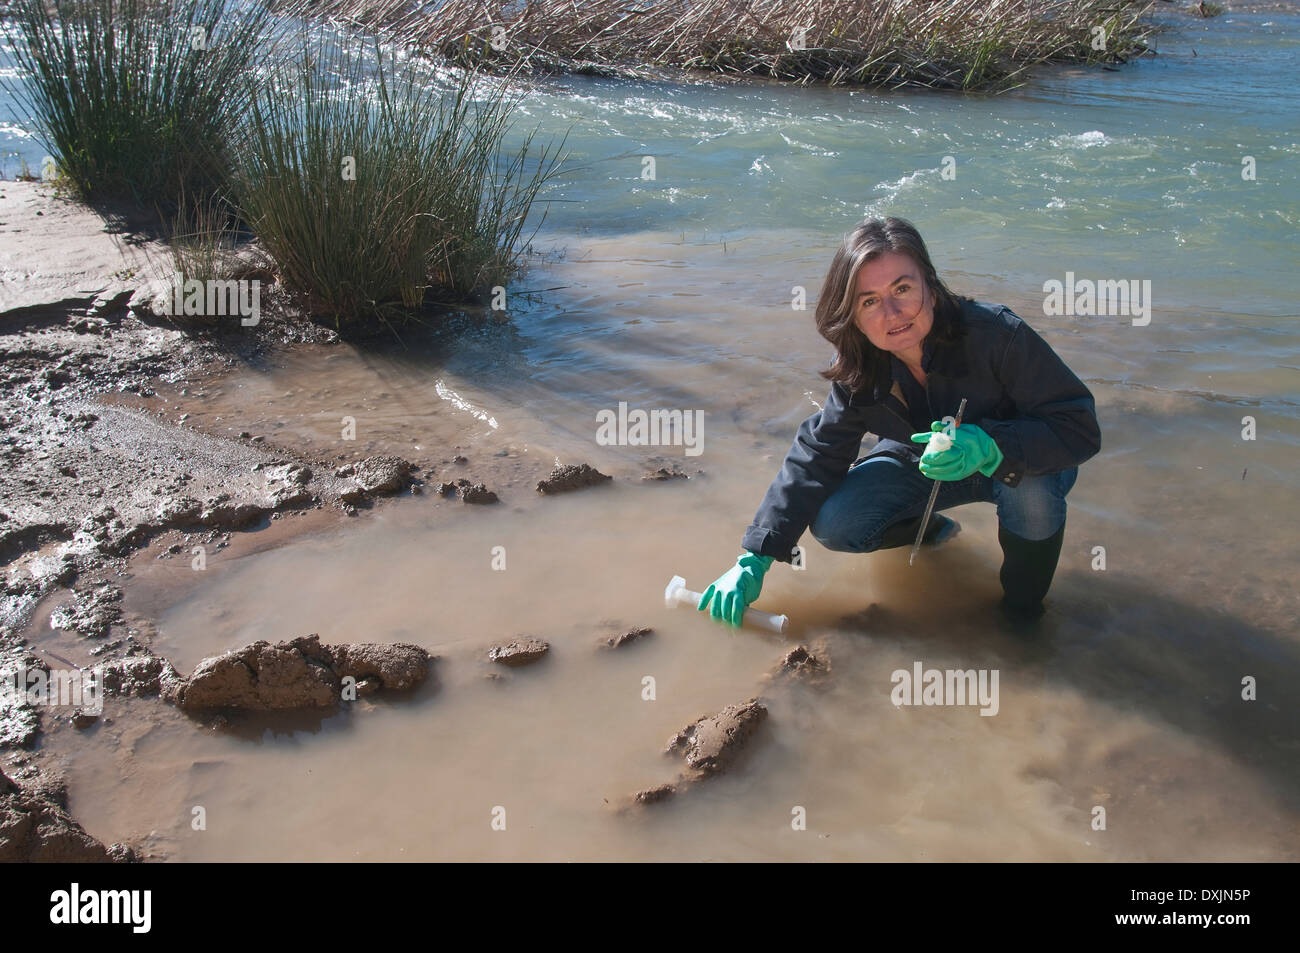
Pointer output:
677, 593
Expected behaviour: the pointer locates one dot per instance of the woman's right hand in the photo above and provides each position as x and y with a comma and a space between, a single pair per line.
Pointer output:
736, 589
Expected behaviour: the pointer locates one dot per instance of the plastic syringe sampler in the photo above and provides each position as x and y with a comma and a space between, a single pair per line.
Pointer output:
677, 593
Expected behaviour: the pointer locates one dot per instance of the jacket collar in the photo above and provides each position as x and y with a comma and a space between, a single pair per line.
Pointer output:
897, 369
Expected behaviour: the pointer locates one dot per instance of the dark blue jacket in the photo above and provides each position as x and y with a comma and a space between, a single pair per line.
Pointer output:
1017, 390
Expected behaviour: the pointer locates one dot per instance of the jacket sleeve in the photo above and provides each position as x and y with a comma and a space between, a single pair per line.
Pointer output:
1056, 424
824, 448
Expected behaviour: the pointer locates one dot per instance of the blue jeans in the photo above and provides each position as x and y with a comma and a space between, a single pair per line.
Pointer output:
880, 491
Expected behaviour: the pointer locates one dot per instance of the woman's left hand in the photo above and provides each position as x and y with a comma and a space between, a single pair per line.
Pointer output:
972, 451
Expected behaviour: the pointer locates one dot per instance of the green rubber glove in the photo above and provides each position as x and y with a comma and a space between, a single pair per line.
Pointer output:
734, 590
972, 451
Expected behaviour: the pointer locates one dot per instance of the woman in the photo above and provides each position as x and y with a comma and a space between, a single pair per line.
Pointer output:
907, 351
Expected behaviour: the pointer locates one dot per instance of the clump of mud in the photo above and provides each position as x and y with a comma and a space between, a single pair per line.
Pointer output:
710, 743
628, 636
20, 722
35, 826
142, 676
800, 662
565, 479
302, 673
666, 473
468, 492
655, 795
92, 612
520, 651
662, 469
375, 476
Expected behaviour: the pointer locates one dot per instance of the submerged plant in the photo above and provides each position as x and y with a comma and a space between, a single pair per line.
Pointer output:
135, 99
372, 186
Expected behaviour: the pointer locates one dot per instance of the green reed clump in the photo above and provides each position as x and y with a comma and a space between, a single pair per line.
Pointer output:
373, 187
134, 99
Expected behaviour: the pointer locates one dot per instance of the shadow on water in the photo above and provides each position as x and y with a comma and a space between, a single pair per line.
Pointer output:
1135, 650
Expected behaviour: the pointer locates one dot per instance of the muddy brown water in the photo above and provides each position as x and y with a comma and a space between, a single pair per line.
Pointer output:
1128, 699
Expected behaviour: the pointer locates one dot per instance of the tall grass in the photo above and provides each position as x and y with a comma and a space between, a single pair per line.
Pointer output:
955, 44
135, 99
374, 189
203, 240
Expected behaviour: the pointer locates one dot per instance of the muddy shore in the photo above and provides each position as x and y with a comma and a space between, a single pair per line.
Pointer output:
103, 461
98, 464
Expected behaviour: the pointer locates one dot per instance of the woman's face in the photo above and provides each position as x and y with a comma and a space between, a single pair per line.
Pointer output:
892, 305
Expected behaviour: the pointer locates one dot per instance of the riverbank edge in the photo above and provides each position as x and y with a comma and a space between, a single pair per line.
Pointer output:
90, 481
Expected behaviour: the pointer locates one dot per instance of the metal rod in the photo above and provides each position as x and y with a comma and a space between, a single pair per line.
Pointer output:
934, 495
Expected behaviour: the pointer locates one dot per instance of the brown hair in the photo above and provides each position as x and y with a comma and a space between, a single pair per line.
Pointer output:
859, 364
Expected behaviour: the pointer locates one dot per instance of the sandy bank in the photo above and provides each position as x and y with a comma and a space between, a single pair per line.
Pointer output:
94, 469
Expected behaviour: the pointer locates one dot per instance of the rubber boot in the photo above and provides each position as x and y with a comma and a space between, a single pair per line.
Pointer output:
940, 530
1027, 569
